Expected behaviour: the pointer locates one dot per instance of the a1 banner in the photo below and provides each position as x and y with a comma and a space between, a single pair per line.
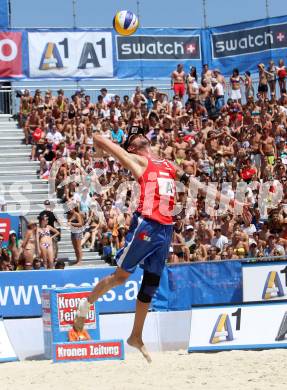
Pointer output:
247, 326
70, 54
264, 281
7, 353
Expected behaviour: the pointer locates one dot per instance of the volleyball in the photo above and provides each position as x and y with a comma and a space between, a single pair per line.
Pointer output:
125, 23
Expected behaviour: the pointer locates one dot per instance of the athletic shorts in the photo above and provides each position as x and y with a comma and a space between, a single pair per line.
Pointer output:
147, 243
262, 88
179, 89
235, 94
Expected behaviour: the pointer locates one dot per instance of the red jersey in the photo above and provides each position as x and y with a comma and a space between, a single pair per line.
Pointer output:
157, 185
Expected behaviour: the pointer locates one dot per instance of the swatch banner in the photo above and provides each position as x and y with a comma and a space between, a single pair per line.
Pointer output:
150, 53
4, 17
245, 45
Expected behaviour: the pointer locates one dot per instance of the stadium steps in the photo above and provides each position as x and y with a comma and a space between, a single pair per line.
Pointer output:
24, 192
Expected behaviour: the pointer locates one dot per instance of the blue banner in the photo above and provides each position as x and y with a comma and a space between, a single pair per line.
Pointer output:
245, 45
150, 53
20, 291
181, 287
185, 285
4, 15
155, 53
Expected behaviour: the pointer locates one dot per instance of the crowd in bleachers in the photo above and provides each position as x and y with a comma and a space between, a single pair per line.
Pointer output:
236, 139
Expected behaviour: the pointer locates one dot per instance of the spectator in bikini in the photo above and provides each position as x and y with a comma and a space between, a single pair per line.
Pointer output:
30, 247
46, 241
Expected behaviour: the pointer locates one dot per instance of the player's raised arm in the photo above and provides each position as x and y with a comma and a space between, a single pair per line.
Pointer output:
135, 163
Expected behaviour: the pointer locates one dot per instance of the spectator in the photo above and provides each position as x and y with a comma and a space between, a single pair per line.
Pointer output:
46, 241
231, 144
218, 240
30, 245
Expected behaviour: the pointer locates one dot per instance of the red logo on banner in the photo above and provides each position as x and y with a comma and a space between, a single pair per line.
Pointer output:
10, 54
67, 308
92, 350
5, 227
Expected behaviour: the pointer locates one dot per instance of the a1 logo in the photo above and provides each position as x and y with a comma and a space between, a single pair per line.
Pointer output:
222, 330
51, 57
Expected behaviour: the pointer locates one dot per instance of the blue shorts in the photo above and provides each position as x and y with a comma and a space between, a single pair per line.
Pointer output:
147, 243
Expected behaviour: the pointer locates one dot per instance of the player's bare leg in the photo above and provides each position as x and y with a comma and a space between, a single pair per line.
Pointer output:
104, 285
135, 339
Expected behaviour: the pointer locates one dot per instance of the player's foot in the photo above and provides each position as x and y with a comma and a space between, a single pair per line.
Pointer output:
81, 314
137, 343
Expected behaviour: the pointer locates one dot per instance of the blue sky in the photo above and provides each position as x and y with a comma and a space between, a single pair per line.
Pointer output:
154, 13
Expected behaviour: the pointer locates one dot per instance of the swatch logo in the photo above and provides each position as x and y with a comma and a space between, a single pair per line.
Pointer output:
249, 41
147, 47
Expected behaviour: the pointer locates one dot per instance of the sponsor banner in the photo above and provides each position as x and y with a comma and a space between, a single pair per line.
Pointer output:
20, 292
7, 223
59, 311
247, 326
149, 47
10, 54
264, 281
88, 351
7, 353
185, 285
155, 52
67, 304
245, 45
4, 14
70, 54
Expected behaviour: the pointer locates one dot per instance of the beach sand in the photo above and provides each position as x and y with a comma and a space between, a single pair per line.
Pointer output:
256, 370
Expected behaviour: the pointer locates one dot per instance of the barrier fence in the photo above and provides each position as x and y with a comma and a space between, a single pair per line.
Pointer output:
182, 286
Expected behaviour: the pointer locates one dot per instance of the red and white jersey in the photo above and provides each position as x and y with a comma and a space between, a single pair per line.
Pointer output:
157, 197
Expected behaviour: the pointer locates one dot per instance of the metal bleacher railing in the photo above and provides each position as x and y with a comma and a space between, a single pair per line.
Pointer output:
9, 103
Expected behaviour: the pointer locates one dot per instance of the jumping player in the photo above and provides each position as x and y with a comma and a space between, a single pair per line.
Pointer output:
150, 233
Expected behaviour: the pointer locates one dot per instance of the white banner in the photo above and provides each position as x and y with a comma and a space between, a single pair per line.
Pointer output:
248, 326
70, 54
264, 282
7, 353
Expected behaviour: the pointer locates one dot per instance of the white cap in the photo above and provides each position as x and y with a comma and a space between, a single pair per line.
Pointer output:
189, 227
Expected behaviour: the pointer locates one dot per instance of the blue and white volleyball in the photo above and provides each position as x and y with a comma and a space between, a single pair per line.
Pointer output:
125, 23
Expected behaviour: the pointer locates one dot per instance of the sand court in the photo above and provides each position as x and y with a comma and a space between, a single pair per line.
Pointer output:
239, 370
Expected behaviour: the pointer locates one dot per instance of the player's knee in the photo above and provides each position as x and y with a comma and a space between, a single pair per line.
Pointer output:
149, 286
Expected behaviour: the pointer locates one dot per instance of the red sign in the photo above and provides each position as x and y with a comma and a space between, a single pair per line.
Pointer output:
67, 308
90, 350
5, 227
10, 54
